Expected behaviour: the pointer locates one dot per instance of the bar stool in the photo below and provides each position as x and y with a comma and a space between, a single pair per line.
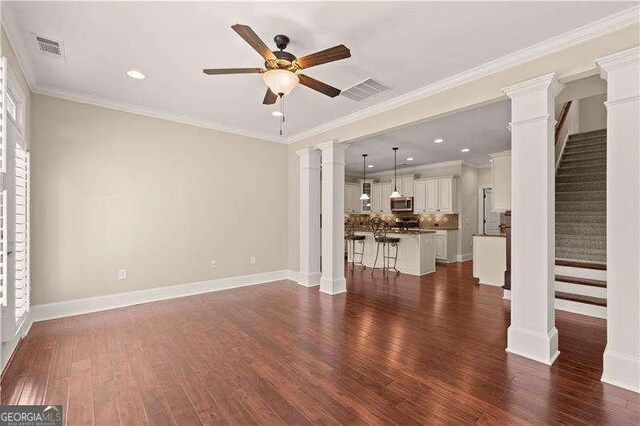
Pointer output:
380, 228
350, 239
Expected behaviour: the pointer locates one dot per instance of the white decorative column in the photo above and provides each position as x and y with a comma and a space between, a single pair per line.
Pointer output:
532, 333
622, 354
309, 274
333, 280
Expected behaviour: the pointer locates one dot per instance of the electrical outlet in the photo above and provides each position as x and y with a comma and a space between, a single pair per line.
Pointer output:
253, 260
214, 264
122, 274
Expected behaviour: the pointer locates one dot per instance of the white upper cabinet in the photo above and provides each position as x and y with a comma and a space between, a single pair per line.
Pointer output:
435, 195
420, 196
380, 197
501, 181
352, 198
432, 196
405, 186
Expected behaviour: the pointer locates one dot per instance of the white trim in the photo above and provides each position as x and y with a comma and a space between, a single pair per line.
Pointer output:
465, 257
149, 112
617, 59
563, 41
581, 308
621, 370
119, 300
563, 145
413, 169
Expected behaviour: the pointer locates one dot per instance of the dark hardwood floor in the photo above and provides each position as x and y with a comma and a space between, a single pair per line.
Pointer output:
405, 350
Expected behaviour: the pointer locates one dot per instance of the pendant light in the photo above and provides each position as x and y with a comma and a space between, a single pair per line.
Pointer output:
364, 195
395, 193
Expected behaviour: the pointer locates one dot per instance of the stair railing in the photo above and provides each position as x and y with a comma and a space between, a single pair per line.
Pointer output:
563, 118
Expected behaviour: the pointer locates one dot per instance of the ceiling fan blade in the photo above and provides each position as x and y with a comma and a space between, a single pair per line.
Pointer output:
254, 41
318, 86
328, 55
218, 71
269, 97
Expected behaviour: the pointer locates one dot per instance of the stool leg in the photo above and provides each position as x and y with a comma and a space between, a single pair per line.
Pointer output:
362, 255
395, 260
376, 261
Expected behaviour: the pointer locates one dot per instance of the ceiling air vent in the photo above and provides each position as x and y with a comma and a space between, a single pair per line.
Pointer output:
364, 90
50, 47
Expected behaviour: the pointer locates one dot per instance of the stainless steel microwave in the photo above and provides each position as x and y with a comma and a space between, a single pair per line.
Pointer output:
402, 204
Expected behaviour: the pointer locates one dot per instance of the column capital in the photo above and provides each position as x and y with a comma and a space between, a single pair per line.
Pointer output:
629, 57
547, 82
309, 158
333, 152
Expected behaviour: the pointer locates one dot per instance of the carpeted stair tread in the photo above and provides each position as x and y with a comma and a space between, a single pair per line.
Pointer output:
580, 206
581, 196
581, 217
582, 254
582, 281
598, 185
581, 298
586, 177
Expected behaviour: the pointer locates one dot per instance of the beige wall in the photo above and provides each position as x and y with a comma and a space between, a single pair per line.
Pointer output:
468, 207
115, 190
593, 114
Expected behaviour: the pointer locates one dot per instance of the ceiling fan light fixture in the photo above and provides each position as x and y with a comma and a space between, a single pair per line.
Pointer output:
281, 82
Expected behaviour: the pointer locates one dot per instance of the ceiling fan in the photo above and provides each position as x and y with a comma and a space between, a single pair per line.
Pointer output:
280, 71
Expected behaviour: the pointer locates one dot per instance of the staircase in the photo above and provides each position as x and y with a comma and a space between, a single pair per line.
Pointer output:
581, 253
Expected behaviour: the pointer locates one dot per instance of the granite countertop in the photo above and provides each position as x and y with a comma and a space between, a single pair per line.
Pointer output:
491, 234
402, 231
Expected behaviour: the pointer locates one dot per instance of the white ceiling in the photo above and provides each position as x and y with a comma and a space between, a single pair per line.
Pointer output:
482, 130
403, 45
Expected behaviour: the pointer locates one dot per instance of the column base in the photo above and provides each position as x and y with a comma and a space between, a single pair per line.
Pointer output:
541, 347
309, 279
333, 286
621, 370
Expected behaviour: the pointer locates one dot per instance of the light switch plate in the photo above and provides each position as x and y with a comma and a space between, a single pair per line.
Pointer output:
122, 274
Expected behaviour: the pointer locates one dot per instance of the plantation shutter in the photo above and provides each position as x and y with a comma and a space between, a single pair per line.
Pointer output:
22, 233
3, 168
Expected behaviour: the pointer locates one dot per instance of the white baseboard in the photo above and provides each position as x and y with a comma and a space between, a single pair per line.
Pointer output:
465, 257
541, 347
119, 300
621, 370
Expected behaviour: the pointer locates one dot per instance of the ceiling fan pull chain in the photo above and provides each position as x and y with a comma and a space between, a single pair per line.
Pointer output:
282, 113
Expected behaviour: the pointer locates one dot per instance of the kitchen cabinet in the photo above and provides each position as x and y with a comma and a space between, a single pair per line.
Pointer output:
419, 196
446, 245
436, 195
501, 181
380, 197
405, 186
352, 198
441, 246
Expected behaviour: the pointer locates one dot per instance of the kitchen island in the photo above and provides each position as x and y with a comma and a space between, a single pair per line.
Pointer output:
416, 251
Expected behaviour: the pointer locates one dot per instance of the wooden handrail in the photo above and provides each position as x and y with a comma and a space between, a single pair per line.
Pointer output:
563, 117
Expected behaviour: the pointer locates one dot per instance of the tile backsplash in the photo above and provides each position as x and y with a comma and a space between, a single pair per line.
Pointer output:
427, 221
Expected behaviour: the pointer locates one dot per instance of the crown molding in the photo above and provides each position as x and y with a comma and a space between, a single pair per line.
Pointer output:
563, 41
149, 112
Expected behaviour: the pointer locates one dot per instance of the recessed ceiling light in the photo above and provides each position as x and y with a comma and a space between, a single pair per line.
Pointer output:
370, 166
465, 150
410, 159
276, 114
439, 140
135, 74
